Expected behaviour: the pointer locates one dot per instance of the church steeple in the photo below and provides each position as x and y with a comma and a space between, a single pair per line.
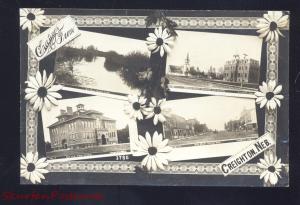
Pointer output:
187, 60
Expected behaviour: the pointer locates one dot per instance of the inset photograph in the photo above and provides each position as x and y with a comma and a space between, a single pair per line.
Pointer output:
101, 62
212, 63
86, 126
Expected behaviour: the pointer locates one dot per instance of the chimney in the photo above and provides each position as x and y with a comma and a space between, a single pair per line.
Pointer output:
62, 112
80, 107
70, 110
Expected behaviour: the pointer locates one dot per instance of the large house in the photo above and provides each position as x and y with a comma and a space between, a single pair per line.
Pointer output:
81, 129
242, 70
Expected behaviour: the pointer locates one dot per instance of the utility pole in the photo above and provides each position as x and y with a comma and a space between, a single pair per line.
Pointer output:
245, 55
237, 58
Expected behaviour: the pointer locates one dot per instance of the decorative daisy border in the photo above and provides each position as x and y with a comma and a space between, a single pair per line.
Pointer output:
248, 23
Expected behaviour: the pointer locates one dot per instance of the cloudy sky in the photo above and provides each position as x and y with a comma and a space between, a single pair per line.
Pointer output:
212, 49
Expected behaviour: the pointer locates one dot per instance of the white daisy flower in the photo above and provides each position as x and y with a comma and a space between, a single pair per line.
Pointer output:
135, 106
33, 168
40, 91
271, 23
271, 168
156, 110
269, 95
31, 18
160, 41
155, 150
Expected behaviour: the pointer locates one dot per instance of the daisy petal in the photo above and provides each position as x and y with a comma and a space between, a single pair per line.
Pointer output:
143, 143
161, 118
43, 171
153, 36
162, 52
149, 163
33, 99
266, 177
167, 48
32, 178
151, 39
272, 104
145, 160
264, 34
150, 115
277, 101
41, 165
29, 157
148, 139
155, 119
55, 94
37, 103
262, 166
153, 165
152, 47
35, 176
163, 144
49, 81
277, 90
280, 97
259, 94
157, 139
47, 104
23, 12
23, 162
55, 88
52, 100
139, 115
259, 99
263, 103
165, 149
162, 158
164, 34
44, 77
38, 78
264, 174
30, 95
39, 175
273, 178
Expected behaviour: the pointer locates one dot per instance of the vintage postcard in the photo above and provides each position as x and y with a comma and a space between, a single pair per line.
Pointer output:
154, 98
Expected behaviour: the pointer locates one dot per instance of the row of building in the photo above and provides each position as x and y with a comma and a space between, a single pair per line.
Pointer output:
244, 70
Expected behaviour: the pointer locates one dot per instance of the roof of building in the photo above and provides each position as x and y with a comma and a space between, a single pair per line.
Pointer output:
85, 114
73, 118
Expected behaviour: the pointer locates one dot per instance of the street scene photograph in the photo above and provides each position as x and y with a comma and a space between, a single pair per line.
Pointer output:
209, 120
220, 63
85, 126
101, 62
